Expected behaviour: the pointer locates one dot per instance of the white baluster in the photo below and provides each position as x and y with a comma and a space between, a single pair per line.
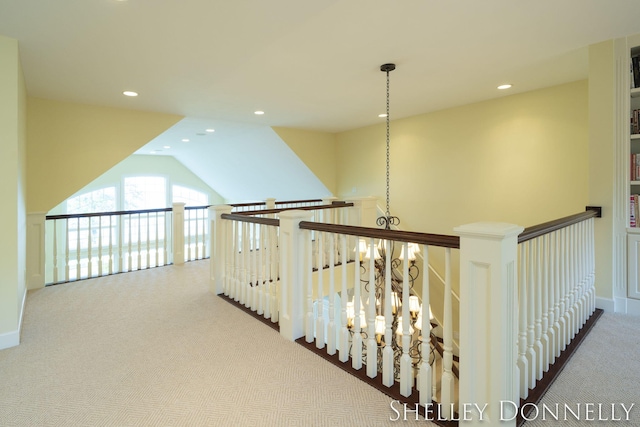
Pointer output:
523, 361
551, 292
332, 330
539, 284
268, 277
320, 292
557, 292
121, 234
246, 283
139, 265
148, 242
78, 251
100, 246
344, 332
447, 389
89, 255
55, 251
261, 260
592, 266
275, 257
372, 347
66, 250
388, 376
424, 376
531, 334
309, 323
356, 357
238, 254
110, 245
574, 279
434, 377
566, 267
253, 284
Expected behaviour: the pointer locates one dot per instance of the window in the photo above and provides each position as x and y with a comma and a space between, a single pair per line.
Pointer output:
144, 192
189, 196
103, 200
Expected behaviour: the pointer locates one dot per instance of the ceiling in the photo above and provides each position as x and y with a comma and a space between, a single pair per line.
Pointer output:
308, 64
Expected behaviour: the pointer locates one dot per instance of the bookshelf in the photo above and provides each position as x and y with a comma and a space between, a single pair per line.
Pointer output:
633, 193
633, 221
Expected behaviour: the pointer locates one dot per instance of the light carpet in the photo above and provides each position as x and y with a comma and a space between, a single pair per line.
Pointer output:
156, 348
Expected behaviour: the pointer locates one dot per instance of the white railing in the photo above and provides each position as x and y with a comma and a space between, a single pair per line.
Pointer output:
556, 292
64, 248
384, 321
246, 247
100, 244
338, 294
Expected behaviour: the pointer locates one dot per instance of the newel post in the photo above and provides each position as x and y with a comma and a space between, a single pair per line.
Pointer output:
489, 322
292, 261
178, 233
367, 211
270, 203
220, 245
35, 250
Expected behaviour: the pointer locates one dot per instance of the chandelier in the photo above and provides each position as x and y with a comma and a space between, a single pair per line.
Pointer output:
376, 282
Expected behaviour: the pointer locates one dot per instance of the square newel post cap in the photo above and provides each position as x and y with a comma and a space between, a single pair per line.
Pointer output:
296, 214
221, 209
489, 230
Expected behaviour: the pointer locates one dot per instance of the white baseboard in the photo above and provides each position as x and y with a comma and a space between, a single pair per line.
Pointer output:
605, 304
12, 339
633, 307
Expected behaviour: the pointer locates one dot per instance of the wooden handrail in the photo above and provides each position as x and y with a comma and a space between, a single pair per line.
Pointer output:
298, 201
251, 219
333, 205
532, 232
241, 205
442, 240
115, 213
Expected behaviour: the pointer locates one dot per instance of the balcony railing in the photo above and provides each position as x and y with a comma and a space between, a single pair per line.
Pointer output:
524, 295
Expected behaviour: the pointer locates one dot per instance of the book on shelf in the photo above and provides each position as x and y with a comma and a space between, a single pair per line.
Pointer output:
633, 210
635, 124
634, 167
635, 71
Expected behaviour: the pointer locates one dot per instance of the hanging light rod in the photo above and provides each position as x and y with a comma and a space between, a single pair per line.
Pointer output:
387, 220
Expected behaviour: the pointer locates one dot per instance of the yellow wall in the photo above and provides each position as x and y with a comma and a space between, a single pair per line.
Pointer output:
72, 144
521, 158
13, 190
601, 161
316, 149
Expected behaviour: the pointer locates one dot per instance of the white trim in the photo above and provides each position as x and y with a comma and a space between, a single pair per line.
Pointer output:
627, 306
633, 307
605, 304
12, 339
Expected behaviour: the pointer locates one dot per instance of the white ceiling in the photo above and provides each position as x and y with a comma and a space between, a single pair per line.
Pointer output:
307, 64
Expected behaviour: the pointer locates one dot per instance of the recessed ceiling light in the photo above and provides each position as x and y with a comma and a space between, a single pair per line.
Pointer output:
166, 146
185, 140
259, 113
502, 87
210, 130
129, 93
382, 115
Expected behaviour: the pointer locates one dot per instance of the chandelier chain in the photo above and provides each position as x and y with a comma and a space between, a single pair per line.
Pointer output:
388, 214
